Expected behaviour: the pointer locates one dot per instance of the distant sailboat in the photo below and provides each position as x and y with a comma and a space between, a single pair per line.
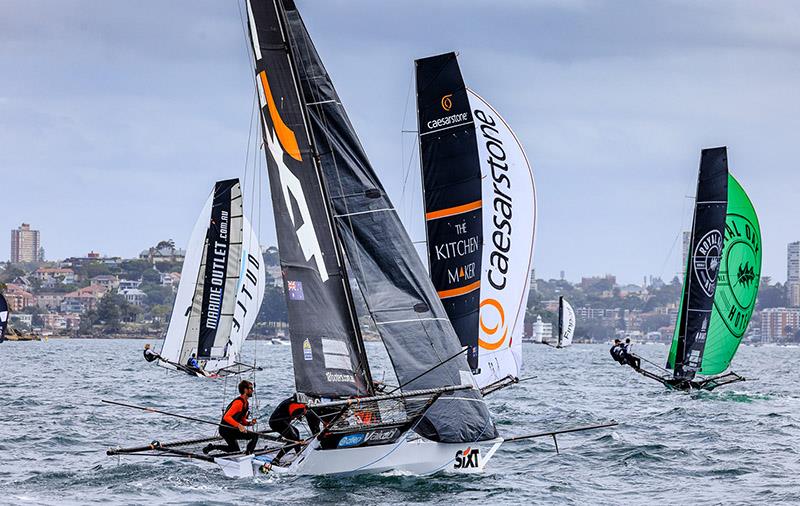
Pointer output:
3, 317
480, 215
720, 284
221, 288
566, 323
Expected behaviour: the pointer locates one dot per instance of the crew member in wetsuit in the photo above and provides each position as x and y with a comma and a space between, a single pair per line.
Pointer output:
628, 356
617, 352
192, 365
281, 420
233, 426
149, 354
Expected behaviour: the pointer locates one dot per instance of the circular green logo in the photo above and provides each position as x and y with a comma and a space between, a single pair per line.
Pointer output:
740, 269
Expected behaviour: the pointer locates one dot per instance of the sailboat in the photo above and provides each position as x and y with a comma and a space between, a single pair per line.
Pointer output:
480, 217
338, 232
3, 317
566, 323
221, 289
720, 282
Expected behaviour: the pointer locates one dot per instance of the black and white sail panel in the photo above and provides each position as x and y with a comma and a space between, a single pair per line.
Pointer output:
220, 284
566, 323
326, 346
451, 178
400, 297
3, 317
703, 266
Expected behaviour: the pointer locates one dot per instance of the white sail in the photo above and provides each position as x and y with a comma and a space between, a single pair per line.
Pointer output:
509, 220
566, 323
249, 296
190, 272
221, 288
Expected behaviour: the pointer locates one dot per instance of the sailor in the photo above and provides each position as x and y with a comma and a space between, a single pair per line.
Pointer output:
628, 356
280, 421
149, 354
618, 352
233, 426
192, 365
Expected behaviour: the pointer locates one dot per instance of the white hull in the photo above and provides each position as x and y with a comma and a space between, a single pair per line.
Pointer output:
415, 455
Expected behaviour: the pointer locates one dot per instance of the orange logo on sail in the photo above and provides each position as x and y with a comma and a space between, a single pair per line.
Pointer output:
285, 134
492, 310
447, 102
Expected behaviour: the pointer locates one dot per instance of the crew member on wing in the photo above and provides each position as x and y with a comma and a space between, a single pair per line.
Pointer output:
280, 421
149, 354
233, 426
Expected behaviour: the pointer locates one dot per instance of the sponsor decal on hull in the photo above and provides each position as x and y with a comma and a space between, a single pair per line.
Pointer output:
468, 459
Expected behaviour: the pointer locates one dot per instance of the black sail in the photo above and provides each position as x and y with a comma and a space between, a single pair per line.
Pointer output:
451, 177
705, 252
219, 242
401, 299
3, 317
327, 350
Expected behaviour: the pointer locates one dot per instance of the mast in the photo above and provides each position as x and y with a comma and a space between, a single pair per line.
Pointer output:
400, 298
327, 347
560, 319
706, 249
359, 338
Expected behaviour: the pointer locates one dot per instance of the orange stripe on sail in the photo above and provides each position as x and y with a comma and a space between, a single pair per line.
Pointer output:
285, 134
450, 211
459, 291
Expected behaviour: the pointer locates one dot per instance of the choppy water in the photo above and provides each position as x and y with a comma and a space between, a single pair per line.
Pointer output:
740, 444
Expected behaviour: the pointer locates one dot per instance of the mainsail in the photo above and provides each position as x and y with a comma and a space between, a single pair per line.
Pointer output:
480, 210
566, 323
222, 285
329, 203
3, 317
703, 265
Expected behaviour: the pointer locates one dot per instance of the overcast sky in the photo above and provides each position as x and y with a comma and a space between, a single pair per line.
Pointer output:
116, 118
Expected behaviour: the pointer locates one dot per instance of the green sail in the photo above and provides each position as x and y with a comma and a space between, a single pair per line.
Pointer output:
737, 284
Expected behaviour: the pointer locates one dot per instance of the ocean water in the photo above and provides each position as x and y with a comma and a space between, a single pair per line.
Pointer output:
737, 445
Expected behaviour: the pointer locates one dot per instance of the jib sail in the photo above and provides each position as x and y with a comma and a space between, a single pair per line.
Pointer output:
480, 208
566, 323
327, 351
222, 285
3, 317
737, 285
703, 265
399, 296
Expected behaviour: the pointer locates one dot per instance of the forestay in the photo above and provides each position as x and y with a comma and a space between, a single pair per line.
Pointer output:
400, 298
221, 287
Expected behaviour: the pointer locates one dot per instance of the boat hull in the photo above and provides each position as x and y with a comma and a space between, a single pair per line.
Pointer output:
414, 455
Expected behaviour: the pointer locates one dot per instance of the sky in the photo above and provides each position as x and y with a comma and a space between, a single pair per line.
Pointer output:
116, 118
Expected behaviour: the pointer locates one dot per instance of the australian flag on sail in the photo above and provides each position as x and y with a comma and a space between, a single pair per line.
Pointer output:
295, 290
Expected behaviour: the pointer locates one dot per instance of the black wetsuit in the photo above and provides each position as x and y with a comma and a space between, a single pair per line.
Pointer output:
281, 422
150, 355
618, 354
629, 358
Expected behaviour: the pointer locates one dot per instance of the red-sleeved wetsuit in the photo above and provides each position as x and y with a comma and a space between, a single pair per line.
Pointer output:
236, 413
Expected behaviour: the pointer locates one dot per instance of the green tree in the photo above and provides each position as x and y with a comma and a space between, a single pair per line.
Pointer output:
151, 276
